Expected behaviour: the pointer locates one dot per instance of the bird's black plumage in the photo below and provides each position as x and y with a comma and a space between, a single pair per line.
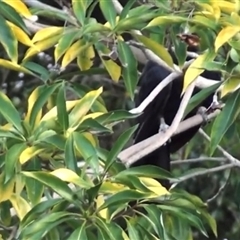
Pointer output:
165, 105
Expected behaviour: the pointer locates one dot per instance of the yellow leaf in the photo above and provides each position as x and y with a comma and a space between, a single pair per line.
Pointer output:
73, 52
20, 7
216, 11
7, 126
53, 112
125, 236
225, 35
90, 138
30, 152
92, 115
45, 33
205, 6
20, 205
225, 6
113, 69
230, 85
107, 24
165, 20
6, 189
111, 188
82, 107
31, 101
99, 202
20, 35
157, 48
68, 175
194, 70
14, 66
154, 186
235, 17
41, 46
85, 59
210, 10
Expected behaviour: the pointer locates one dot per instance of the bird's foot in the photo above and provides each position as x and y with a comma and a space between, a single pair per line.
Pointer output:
215, 105
204, 114
163, 128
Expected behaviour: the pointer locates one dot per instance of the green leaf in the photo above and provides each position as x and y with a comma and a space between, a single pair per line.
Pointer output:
12, 15
45, 93
79, 233
191, 218
8, 134
65, 42
57, 141
154, 213
133, 23
34, 188
95, 27
225, 119
118, 146
140, 10
9, 112
106, 231
122, 197
98, 105
132, 231
11, 161
115, 116
158, 49
37, 210
8, 40
108, 11
211, 222
163, 20
126, 9
145, 171
205, 22
180, 48
79, 9
129, 67
83, 106
92, 124
70, 158
34, 67
5, 213
54, 234
53, 182
38, 229
86, 149
62, 109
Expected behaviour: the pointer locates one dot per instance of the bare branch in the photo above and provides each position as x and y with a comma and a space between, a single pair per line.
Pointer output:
202, 172
155, 92
230, 158
141, 149
198, 160
221, 189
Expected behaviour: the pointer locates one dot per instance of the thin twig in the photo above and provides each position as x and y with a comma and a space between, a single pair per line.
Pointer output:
231, 159
198, 160
202, 172
221, 189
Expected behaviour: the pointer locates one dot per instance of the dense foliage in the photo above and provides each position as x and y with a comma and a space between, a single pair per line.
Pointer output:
69, 72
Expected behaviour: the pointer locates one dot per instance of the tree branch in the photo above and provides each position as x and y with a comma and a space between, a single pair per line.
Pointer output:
198, 160
202, 172
230, 158
141, 149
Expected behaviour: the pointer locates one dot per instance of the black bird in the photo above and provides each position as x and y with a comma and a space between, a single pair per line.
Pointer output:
165, 106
